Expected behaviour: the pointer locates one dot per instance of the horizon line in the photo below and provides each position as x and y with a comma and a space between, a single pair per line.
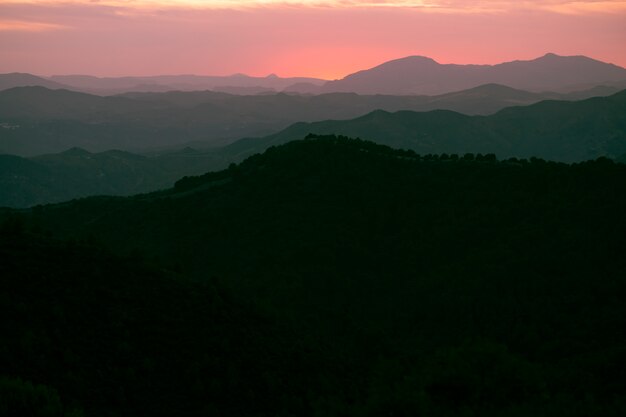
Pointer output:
274, 74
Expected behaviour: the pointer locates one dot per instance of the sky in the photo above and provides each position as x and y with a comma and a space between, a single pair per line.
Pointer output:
325, 39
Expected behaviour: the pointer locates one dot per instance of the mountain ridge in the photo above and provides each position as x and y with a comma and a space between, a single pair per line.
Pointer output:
22, 79
422, 75
182, 82
566, 131
413, 75
36, 120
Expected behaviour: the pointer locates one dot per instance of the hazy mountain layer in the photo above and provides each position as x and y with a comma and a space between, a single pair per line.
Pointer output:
36, 120
117, 85
413, 75
422, 75
77, 173
19, 79
555, 130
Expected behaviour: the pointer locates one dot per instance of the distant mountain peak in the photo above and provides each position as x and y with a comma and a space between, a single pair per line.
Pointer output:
272, 76
413, 59
579, 59
420, 75
421, 58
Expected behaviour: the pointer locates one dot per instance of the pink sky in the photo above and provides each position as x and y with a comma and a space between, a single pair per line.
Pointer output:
327, 39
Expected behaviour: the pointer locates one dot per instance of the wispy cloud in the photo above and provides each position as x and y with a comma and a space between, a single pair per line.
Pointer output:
28, 26
449, 6
585, 7
327, 38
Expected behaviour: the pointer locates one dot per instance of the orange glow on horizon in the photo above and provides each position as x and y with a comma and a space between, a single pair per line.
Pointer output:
317, 38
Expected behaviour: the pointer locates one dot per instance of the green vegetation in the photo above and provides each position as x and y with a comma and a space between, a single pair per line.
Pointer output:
102, 335
75, 173
555, 130
329, 277
34, 119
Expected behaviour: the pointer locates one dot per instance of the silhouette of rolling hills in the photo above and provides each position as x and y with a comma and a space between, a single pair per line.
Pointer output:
422, 75
20, 79
77, 173
35, 120
374, 281
237, 83
555, 130
413, 75
92, 333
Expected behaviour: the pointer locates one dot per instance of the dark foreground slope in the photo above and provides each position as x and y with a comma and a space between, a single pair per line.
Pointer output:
424, 286
555, 130
86, 333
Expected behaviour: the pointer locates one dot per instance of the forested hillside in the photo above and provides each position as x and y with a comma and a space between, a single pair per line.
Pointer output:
75, 173
330, 277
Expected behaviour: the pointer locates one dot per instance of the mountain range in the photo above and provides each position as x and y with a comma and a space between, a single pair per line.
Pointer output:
416, 239
413, 75
36, 120
139, 142
76, 173
236, 84
555, 130
422, 75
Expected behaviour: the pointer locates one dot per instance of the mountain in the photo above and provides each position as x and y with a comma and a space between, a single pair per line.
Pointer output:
93, 333
413, 75
35, 120
422, 75
330, 277
239, 83
18, 79
39, 103
77, 173
555, 130
303, 88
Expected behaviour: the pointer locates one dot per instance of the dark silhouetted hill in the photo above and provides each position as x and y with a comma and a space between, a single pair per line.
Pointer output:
93, 334
390, 283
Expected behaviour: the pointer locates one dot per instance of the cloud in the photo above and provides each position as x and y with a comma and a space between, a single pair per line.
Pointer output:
447, 6
585, 7
320, 38
28, 26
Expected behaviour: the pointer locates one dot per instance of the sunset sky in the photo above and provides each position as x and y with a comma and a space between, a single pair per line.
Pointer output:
326, 39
